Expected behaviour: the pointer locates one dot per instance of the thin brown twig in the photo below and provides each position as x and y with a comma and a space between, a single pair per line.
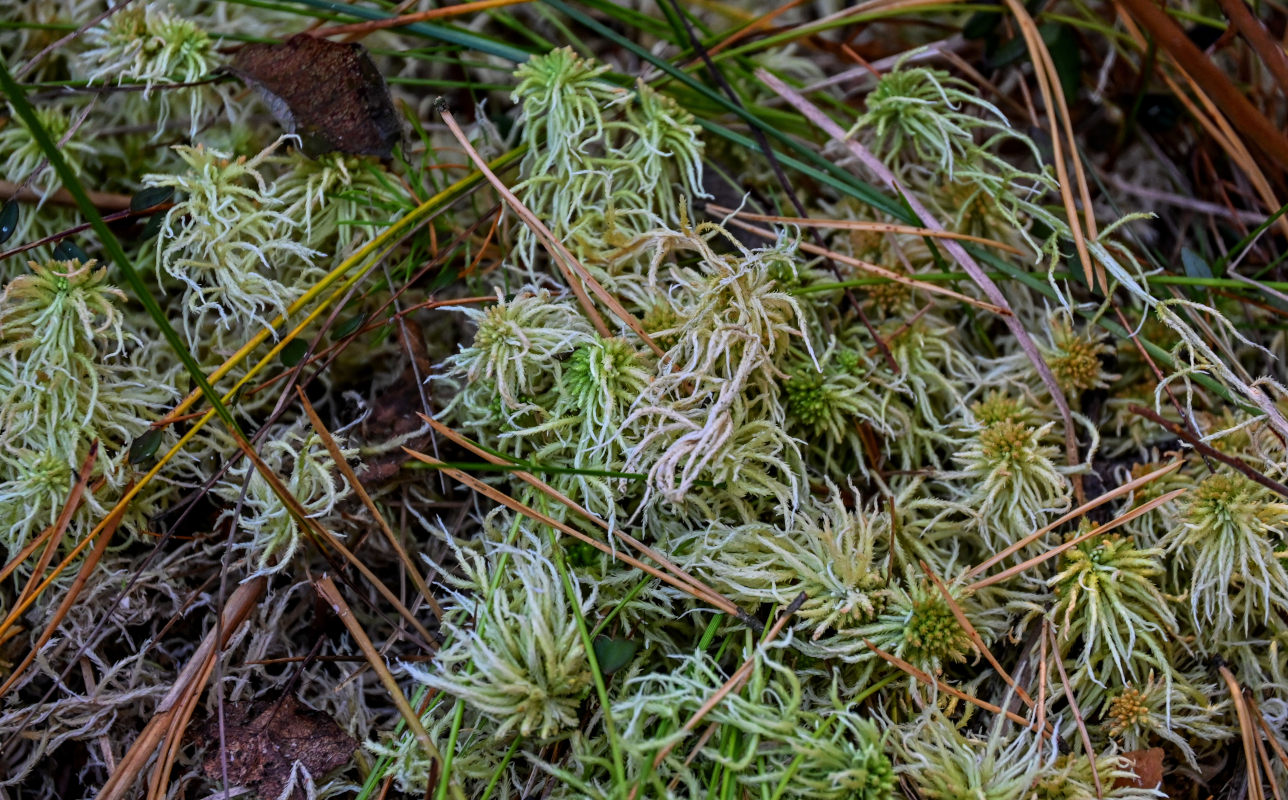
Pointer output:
575, 274
1158, 374
1256, 129
862, 225
347, 471
1073, 706
64, 606
697, 586
1122, 519
881, 272
330, 594
1208, 450
75, 229
930, 680
370, 26
1246, 732
492, 493
975, 638
57, 45
1117, 492
816, 116
103, 201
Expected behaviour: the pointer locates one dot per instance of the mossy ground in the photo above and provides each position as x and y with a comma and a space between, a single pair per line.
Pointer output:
702, 401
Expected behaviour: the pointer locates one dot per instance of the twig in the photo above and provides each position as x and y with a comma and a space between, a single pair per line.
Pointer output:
330, 594
183, 695
1077, 540
1208, 450
371, 26
1130, 486
1246, 118
930, 680
1246, 732
105, 201
1073, 705
347, 471
975, 638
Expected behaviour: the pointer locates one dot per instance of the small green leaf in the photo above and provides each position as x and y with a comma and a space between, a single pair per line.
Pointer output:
144, 448
67, 250
1008, 53
347, 327
1195, 265
613, 653
1062, 44
293, 352
8, 220
152, 227
151, 196
981, 24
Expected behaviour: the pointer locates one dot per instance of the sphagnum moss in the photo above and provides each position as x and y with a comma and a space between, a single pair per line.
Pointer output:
780, 443
1231, 533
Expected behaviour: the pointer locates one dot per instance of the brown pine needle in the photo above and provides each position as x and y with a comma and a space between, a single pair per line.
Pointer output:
706, 595
816, 116
444, 12
736, 680
573, 271
698, 588
930, 680
881, 272
1058, 120
322, 536
861, 225
1270, 735
64, 519
64, 605
1130, 486
186, 691
328, 440
1140, 510
1246, 732
1073, 706
330, 594
975, 638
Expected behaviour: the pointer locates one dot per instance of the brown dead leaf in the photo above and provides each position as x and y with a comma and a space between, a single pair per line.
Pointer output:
1148, 766
329, 93
264, 741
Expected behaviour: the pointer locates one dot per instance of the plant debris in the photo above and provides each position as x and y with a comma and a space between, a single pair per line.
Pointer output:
270, 745
330, 94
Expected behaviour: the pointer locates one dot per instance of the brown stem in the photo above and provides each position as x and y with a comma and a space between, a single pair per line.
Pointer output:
1254, 31
1257, 130
1210, 451
103, 201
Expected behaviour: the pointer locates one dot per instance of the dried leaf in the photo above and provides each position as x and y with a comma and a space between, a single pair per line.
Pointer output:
265, 739
329, 93
1148, 766
8, 219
